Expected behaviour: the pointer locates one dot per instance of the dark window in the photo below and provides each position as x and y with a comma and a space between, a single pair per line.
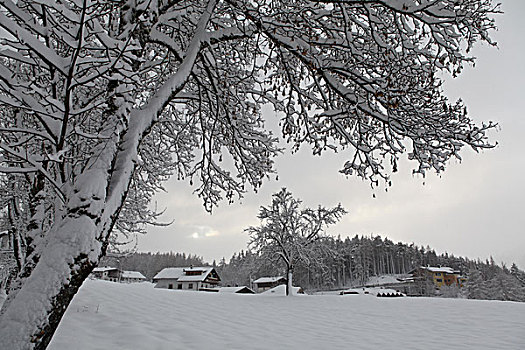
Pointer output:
170, 286
193, 273
439, 280
179, 286
190, 286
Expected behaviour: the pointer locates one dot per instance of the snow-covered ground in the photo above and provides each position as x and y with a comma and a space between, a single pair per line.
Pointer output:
3, 296
384, 279
106, 315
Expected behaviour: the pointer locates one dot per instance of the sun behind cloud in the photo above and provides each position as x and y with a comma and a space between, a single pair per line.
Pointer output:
204, 232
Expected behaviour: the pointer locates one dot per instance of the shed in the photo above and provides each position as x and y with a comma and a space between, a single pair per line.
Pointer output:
265, 283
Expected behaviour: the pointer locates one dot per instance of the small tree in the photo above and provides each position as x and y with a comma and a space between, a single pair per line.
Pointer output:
290, 233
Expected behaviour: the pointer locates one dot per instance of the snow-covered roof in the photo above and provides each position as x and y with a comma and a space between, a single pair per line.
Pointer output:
178, 273
132, 274
268, 279
104, 269
444, 269
169, 273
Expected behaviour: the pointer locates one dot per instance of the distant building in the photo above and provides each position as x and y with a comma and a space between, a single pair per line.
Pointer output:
187, 278
113, 274
107, 273
265, 283
132, 277
440, 276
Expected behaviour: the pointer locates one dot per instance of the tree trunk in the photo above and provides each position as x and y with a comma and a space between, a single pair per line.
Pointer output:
74, 245
33, 315
289, 282
71, 248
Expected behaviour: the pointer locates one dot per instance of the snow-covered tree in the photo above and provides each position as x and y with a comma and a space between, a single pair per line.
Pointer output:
518, 274
289, 232
103, 100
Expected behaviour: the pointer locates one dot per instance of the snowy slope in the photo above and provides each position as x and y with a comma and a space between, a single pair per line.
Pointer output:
106, 315
3, 296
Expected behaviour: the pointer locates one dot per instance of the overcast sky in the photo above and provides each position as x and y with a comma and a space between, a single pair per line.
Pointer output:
475, 209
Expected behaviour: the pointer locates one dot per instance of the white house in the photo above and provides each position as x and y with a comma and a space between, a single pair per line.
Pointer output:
188, 278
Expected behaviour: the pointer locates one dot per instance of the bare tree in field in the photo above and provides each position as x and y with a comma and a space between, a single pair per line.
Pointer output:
101, 101
290, 232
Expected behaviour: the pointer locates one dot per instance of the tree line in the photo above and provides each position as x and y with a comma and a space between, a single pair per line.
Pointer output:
149, 264
352, 261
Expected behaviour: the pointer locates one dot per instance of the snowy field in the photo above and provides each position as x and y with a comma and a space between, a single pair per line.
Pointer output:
106, 315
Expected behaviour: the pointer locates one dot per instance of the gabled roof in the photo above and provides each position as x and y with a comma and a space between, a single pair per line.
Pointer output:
132, 274
269, 279
196, 278
178, 273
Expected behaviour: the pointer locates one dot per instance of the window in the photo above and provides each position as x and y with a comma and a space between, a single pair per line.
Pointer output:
439, 280
190, 286
170, 286
438, 274
179, 286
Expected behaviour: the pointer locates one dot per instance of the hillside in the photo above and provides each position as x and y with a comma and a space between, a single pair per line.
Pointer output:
105, 315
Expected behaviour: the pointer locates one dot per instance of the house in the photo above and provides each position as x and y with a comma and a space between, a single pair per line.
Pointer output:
132, 277
187, 278
107, 273
236, 290
265, 283
113, 274
440, 276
